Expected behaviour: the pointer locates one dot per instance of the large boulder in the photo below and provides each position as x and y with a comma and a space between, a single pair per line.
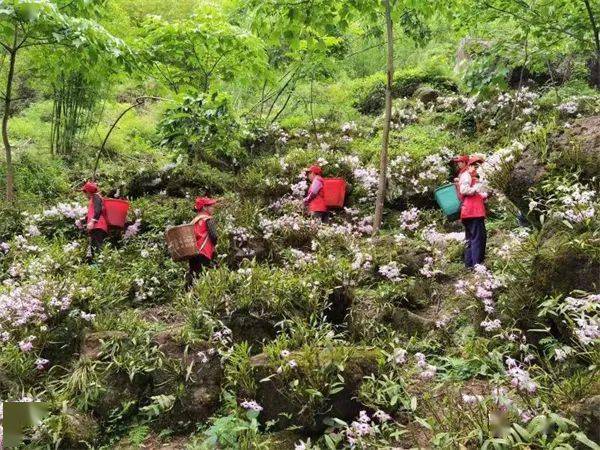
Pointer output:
409, 323
291, 407
193, 373
562, 266
250, 327
578, 147
526, 173
427, 94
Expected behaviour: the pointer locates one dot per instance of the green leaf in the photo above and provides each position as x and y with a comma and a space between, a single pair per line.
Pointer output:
581, 437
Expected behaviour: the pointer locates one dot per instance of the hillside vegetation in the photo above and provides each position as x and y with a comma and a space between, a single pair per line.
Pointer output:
305, 335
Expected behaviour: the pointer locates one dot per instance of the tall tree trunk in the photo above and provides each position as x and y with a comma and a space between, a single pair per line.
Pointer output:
382, 188
10, 174
595, 63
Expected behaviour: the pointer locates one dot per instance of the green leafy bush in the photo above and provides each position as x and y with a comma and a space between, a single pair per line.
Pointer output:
204, 128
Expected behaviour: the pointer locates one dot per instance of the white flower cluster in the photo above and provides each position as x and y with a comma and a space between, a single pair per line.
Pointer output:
364, 426
368, 178
391, 271
145, 289
287, 222
520, 378
362, 261
409, 177
514, 240
409, 219
427, 270
498, 160
568, 108
583, 311
301, 259
66, 210
428, 371
482, 287
575, 203
435, 238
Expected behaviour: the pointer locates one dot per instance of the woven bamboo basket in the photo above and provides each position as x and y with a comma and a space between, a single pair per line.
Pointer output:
181, 242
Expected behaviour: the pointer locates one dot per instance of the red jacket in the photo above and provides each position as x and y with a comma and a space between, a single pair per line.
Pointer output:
101, 224
205, 245
473, 205
317, 200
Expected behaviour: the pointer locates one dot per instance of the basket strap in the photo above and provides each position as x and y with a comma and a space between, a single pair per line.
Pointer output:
203, 243
199, 217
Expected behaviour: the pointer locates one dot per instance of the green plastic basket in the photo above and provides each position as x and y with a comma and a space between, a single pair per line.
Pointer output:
447, 199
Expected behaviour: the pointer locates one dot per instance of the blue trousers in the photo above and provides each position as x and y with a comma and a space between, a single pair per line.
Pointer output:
475, 238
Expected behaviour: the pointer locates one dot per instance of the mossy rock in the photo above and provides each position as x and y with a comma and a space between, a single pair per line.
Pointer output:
527, 173
78, 430
578, 147
409, 323
292, 409
180, 180
92, 343
371, 92
195, 382
587, 415
250, 327
427, 94
119, 393
563, 266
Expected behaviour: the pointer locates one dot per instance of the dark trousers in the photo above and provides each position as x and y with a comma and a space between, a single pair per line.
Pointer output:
97, 238
197, 266
321, 215
475, 238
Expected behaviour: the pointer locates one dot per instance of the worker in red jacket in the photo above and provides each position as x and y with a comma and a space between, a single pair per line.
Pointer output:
315, 199
206, 238
96, 224
473, 196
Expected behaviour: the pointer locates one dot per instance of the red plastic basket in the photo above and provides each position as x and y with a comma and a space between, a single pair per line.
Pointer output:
116, 212
334, 191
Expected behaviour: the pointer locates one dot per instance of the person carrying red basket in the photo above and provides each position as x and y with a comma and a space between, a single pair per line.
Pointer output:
315, 199
96, 224
206, 238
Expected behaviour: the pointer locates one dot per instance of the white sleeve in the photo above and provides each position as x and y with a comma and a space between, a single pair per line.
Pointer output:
464, 184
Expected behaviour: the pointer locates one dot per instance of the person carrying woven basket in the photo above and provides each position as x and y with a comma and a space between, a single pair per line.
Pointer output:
206, 238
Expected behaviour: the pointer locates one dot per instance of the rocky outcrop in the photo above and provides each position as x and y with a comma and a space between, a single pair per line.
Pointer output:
578, 147
562, 267
291, 407
409, 323
195, 367
250, 327
587, 415
526, 173
427, 94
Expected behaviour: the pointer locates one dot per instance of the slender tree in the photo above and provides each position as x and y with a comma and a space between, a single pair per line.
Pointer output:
37, 23
383, 163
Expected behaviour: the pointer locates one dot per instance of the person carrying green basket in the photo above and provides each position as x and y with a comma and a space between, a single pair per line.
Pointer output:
473, 195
